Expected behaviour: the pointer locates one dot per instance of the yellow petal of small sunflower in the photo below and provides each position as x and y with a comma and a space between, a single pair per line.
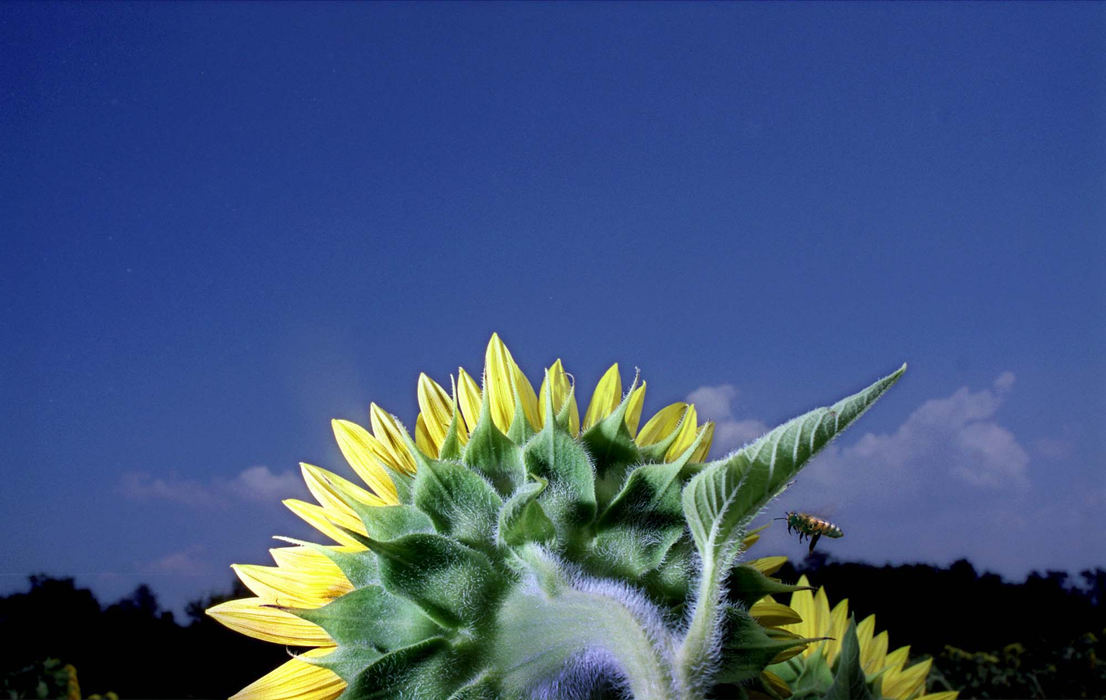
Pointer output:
944, 695
767, 565
293, 588
872, 656
605, 398
896, 660
388, 433
251, 616
316, 517
295, 680
468, 398
770, 614
689, 430
633, 409
802, 602
907, 682
838, 622
865, 630
562, 392
776, 684
364, 453
662, 424
423, 441
436, 409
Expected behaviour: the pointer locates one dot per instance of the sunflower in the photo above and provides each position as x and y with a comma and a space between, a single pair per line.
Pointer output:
512, 545
896, 680
306, 578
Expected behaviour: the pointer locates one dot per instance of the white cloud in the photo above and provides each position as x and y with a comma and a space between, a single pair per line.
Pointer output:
715, 403
185, 562
256, 483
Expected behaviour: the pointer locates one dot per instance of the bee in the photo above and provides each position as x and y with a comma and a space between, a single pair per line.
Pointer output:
810, 526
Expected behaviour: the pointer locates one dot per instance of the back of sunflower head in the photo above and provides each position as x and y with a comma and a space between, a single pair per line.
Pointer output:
507, 547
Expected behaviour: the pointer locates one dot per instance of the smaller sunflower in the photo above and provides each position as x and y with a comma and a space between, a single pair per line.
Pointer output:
888, 669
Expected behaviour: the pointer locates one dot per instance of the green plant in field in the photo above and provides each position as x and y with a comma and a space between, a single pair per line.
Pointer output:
509, 549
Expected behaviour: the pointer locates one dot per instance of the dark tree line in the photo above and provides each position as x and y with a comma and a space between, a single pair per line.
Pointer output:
999, 629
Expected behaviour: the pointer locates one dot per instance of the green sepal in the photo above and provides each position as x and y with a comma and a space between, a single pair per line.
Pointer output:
646, 517
522, 519
371, 617
808, 676
564, 416
520, 429
451, 443
746, 585
849, 682
459, 501
671, 581
493, 454
485, 686
569, 502
359, 568
747, 649
429, 669
613, 449
453, 584
345, 662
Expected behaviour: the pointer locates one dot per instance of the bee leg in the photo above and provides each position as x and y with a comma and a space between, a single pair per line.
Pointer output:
814, 541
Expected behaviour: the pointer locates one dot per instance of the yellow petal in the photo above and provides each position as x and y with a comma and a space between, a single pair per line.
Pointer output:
689, 429
469, 398
301, 558
944, 695
562, 392
252, 617
605, 398
633, 409
661, 425
838, 623
896, 659
388, 433
767, 565
865, 630
502, 380
437, 411
769, 614
701, 451
321, 484
905, 683
317, 518
776, 684
422, 438
364, 454
296, 680
802, 602
872, 656
292, 588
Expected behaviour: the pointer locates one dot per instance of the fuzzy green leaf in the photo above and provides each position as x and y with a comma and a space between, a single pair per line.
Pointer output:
522, 519
460, 502
372, 617
346, 662
453, 584
747, 648
849, 682
722, 498
484, 687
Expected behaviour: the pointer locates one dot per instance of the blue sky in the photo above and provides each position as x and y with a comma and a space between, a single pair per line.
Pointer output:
224, 225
